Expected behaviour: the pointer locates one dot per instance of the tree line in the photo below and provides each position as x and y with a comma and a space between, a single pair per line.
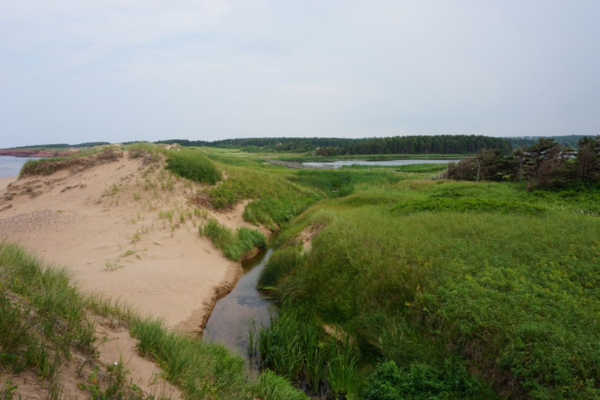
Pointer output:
545, 165
439, 144
528, 141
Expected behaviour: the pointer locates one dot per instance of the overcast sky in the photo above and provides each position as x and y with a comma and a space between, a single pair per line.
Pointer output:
89, 70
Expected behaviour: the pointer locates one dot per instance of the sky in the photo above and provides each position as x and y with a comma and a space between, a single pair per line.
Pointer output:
74, 71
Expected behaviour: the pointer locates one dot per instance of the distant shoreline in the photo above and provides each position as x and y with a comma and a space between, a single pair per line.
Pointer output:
26, 153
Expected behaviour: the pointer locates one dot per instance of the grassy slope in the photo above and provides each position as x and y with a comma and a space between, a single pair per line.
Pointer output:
51, 320
514, 293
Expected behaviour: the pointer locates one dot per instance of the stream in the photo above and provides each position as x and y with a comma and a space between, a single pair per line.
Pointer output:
228, 322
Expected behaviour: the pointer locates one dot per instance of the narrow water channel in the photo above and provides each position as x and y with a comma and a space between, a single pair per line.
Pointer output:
228, 323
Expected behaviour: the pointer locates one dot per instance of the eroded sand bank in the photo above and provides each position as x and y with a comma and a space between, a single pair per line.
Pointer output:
128, 231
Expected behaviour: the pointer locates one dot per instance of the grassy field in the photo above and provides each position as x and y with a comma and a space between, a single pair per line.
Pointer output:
486, 284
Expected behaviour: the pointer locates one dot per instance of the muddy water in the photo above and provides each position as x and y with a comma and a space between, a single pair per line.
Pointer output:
228, 323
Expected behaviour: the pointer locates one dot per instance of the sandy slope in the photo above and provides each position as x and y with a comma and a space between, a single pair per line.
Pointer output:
126, 230
108, 215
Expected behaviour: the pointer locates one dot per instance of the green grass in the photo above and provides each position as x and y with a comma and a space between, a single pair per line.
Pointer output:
466, 205
303, 353
275, 387
193, 165
80, 159
44, 320
235, 246
422, 272
276, 200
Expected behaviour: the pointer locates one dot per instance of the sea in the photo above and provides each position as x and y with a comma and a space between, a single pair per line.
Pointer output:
10, 166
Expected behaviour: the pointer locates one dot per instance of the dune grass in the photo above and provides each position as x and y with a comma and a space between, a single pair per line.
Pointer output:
193, 165
44, 320
501, 281
276, 200
235, 245
303, 353
81, 159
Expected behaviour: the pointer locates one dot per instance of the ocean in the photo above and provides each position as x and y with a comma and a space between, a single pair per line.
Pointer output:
10, 166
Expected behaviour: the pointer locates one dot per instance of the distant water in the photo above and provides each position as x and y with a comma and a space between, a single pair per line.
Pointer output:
386, 162
10, 166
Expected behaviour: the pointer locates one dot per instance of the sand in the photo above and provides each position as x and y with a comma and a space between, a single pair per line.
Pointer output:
4, 182
105, 225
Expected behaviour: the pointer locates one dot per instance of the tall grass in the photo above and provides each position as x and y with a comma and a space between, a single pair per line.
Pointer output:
55, 320
193, 165
507, 289
235, 246
80, 159
274, 387
305, 354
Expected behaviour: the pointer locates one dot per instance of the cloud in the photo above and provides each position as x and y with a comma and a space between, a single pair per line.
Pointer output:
132, 69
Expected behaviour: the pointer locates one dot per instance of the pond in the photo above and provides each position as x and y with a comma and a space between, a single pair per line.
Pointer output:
341, 163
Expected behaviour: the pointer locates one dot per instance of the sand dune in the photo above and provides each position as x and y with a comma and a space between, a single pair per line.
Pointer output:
126, 230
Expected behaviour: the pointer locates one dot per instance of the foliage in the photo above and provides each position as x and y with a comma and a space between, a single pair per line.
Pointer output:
302, 352
420, 381
235, 246
279, 265
193, 165
500, 280
528, 141
81, 160
63, 145
441, 144
466, 205
271, 386
277, 200
201, 370
545, 165
60, 325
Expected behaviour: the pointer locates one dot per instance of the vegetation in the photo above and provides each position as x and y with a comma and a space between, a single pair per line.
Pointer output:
80, 160
235, 246
63, 145
276, 199
392, 286
441, 144
545, 165
192, 165
302, 352
457, 284
274, 387
528, 141
45, 321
